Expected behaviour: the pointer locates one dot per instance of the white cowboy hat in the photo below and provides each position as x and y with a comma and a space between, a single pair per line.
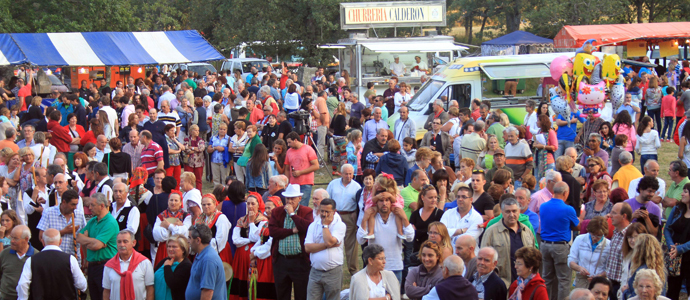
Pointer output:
292, 190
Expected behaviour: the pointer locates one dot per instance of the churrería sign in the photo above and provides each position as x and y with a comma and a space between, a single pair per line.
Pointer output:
361, 15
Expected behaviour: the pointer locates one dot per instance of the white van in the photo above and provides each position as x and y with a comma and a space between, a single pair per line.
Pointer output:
244, 65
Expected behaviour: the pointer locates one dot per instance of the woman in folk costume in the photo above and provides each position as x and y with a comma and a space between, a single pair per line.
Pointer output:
260, 254
219, 224
174, 220
244, 235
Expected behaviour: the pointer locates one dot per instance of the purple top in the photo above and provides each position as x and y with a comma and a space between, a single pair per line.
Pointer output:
602, 154
652, 207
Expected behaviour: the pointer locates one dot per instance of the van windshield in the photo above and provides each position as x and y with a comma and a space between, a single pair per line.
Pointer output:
259, 65
420, 100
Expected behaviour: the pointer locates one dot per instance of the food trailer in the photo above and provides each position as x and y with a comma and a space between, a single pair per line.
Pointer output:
372, 59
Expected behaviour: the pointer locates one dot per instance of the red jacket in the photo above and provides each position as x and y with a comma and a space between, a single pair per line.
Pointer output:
540, 294
80, 130
61, 138
302, 219
88, 137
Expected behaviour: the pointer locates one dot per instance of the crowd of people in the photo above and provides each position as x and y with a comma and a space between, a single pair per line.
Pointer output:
102, 192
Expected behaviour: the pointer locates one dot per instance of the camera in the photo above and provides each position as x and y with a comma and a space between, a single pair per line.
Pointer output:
300, 117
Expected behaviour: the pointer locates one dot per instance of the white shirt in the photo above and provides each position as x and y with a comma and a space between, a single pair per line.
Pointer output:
193, 195
453, 221
344, 196
25, 279
432, 295
172, 114
166, 96
531, 121
252, 235
330, 258
399, 98
260, 250
112, 115
386, 236
398, 68
219, 241
106, 190
142, 276
422, 65
132, 218
593, 261
161, 234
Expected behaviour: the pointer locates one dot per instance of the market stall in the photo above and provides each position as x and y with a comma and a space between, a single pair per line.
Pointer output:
517, 42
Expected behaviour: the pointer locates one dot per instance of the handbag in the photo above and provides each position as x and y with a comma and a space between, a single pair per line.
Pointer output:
242, 161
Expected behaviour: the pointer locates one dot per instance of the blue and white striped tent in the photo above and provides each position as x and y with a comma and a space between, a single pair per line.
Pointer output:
105, 48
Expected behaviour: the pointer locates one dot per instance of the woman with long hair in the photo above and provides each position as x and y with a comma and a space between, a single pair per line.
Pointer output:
546, 143
194, 146
80, 161
427, 212
132, 123
607, 137
438, 234
109, 130
258, 170
26, 179
354, 152
366, 193
234, 207
12, 172
486, 158
648, 142
8, 220
652, 98
278, 157
339, 142
647, 254
678, 242
95, 130
244, 235
441, 180
623, 124
119, 163
629, 242
76, 131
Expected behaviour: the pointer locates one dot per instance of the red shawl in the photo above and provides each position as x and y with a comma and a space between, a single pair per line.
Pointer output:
126, 281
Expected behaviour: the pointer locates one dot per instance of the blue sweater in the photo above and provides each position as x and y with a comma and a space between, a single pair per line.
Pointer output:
394, 164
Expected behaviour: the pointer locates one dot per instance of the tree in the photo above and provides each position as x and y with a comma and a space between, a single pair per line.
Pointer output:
549, 16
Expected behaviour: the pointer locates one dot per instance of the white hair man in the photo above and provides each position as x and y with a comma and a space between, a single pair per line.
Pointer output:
344, 192
126, 214
372, 126
518, 155
627, 172
12, 260
485, 280
318, 196
47, 272
651, 168
276, 186
545, 194
453, 285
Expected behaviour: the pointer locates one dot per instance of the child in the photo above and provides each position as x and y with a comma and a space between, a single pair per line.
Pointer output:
383, 183
647, 141
621, 140
409, 150
354, 150
668, 113
5, 115
217, 119
14, 118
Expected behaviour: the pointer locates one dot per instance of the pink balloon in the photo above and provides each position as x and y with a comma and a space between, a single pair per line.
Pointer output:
560, 65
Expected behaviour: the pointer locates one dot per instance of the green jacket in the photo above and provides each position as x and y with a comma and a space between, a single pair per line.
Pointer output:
524, 219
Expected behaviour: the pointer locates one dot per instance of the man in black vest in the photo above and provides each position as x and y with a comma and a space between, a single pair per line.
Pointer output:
51, 272
104, 184
126, 214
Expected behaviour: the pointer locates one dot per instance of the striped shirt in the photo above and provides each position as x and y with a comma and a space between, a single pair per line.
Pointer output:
472, 145
170, 118
518, 158
150, 157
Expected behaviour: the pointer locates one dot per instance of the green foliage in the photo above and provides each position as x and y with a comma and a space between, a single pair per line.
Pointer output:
549, 16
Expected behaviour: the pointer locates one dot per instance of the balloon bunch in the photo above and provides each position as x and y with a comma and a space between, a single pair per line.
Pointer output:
586, 81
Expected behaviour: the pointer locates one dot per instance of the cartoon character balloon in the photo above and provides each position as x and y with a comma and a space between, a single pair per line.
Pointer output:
560, 65
611, 68
617, 95
591, 97
560, 97
584, 64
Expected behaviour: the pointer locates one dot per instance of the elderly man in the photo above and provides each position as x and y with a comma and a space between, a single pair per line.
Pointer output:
593, 149
131, 266
99, 237
276, 187
463, 220
438, 140
8, 142
324, 243
166, 96
344, 191
580, 294
66, 218
101, 147
437, 113
134, 148
644, 209
389, 94
410, 193
578, 169
518, 155
621, 216
453, 285
678, 172
627, 172
564, 165
47, 272
151, 154
508, 236
590, 126
126, 214
208, 276
385, 231
486, 280
545, 194
373, 126
499, 163
12, 261
651, 168
288, 227
465, 248
555, 238
404, 126
524, 198
317, 197
28, 140
169, 116
374, 149
474, 143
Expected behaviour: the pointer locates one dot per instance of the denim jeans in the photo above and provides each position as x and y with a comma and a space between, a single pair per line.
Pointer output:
398, 274
306, 190
644, 158
668, 126
562, 145
655, 114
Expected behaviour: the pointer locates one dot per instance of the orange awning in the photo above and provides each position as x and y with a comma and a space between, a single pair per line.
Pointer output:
575, 36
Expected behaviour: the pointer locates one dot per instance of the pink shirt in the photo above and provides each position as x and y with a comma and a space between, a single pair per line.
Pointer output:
537, 199
630, 132
399, 202
668, 106
299, 160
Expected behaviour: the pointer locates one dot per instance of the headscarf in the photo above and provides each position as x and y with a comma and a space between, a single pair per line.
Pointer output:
276, 200
262, 205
